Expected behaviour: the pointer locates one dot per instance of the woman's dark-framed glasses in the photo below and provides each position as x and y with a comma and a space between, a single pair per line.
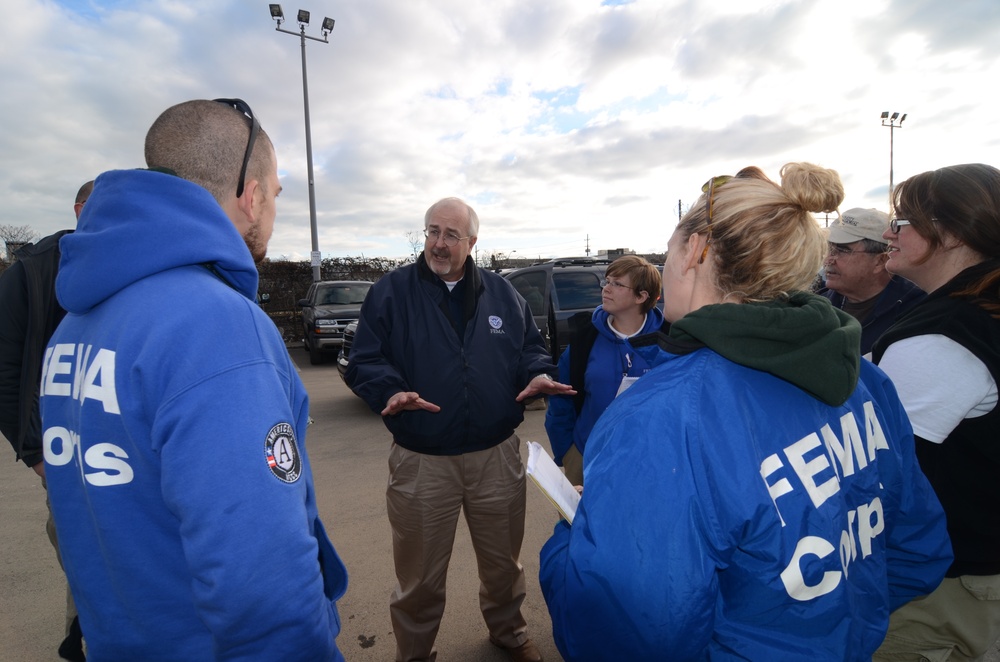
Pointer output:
243, 107
896, 223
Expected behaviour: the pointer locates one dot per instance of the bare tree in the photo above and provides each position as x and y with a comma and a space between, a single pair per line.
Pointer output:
15, 236
413, 237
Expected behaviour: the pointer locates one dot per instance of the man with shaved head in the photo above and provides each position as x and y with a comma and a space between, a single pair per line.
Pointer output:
173, 418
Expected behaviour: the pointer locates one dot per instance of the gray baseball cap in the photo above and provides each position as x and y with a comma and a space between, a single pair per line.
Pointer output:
857, 224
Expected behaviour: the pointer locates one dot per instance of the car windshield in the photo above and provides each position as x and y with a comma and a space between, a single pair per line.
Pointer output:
343, 295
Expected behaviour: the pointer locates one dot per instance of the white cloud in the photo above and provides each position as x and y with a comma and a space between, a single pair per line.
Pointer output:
560, 120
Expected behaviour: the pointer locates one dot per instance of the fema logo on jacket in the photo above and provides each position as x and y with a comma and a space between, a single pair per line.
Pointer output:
496, 324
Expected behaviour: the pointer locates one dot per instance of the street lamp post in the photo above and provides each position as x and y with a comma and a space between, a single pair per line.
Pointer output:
890, 121
303, 20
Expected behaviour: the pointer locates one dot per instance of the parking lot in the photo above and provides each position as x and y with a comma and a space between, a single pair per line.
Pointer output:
348, 447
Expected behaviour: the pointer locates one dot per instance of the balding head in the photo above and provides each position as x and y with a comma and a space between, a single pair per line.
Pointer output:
204, 142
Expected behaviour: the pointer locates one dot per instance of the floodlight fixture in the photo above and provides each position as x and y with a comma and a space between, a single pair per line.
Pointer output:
303, 19
891, 122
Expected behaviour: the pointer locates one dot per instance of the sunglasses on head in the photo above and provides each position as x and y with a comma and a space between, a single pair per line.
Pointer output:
243, 107
709, 189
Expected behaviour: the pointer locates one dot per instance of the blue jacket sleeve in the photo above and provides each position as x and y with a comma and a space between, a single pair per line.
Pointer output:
588, 572
265, 578
370, 374
918, 548
560, 417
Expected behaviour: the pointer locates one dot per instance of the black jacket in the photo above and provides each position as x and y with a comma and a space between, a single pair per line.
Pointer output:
29, 314
963, 469
898, 297
408, 339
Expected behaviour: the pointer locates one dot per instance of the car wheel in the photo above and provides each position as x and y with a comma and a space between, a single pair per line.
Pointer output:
315, 355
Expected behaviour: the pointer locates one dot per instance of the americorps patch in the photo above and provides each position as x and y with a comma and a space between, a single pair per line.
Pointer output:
282, 453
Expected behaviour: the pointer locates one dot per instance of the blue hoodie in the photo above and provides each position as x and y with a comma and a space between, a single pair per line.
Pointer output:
610, 359
174, 427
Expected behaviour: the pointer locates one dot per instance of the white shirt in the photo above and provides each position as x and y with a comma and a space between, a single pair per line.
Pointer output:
939, 382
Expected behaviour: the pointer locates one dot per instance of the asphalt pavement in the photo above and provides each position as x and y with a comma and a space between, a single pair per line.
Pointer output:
348, 447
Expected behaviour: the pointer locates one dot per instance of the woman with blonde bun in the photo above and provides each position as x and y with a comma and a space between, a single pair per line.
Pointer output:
755, 496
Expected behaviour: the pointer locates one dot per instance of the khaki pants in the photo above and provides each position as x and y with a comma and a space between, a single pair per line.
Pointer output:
959, 621
572, 463
424, 497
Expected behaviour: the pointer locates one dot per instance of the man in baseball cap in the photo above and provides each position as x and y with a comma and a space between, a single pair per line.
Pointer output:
856, 279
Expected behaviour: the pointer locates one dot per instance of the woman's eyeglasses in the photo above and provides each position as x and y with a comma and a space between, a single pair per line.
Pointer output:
896, 223
243, 107
614, 283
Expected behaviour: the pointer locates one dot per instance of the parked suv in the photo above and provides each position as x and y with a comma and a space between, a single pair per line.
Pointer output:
327, 309
561, 293
344, 356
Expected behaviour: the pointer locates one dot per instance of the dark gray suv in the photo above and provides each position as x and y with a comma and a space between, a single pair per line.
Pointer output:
561, 293
328, 307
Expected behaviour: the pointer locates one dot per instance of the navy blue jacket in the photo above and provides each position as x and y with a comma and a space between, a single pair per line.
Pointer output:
898, 298
406, 341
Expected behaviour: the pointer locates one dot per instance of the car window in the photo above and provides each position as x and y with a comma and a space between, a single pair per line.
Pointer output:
342, 295
577, 290
531, 286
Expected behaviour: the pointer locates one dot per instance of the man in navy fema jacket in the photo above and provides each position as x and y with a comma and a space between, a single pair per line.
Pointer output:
447, 352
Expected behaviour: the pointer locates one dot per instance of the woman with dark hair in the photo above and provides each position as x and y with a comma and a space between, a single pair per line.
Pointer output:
944, 358
755, 496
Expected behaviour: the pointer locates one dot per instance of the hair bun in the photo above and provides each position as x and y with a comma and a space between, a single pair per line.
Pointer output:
811, 187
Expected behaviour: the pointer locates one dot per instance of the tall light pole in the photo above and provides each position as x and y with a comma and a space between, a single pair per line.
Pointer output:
327, 28
890, 121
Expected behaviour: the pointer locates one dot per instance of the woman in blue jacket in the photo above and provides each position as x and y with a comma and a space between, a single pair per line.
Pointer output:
600, 363
756, 495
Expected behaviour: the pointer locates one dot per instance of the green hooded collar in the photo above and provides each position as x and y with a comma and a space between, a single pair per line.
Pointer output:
802, 339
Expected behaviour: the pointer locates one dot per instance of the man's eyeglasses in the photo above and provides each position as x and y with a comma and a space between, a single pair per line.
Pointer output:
709, 190
450, 240
241, 105
839, 250
614, 283
896, 223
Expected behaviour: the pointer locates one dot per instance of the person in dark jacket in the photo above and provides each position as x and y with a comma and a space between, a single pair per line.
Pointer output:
856, 279
447, 353
944, 359
29, 314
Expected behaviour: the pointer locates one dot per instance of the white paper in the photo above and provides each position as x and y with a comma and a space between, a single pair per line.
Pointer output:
551, 481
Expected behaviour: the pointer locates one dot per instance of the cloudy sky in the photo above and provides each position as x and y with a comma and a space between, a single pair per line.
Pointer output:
567, 124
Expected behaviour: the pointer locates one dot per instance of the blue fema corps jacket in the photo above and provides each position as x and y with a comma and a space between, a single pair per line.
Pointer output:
406, 342
732, 514
609, 360
174, 441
